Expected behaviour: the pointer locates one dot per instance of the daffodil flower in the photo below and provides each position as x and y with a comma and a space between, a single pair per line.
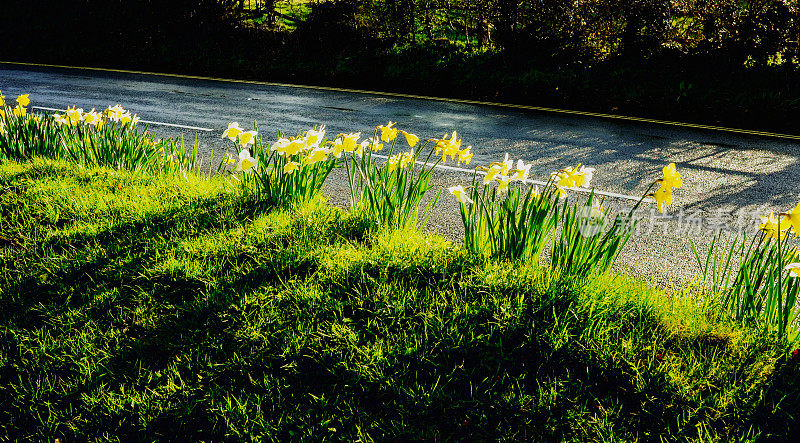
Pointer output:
280, 145
247, 138
388, 133
672, 178
115, 113
449, 146
406, 158
521, 172
582, 176
775, 227
316, 155
91, 118
74, 115
402, 160
23, 100
246, 162
663, 197
793, 268
502, 183
233, 131
461, 194
128, 118
350, 141
563, 179
338, 147
491, 172
2, 99
411, 139
794, 218
314, 137
372, 143
506, 165
465, 155
391, 164
290, 167
19, 111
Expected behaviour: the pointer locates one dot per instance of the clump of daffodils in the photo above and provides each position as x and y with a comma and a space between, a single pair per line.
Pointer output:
117, 114
505, 172
73, 116
575, 177
20, 110
307, 148
242, 139
451, 147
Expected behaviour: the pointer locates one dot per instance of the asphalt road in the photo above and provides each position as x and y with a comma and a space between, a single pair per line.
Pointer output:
728, 179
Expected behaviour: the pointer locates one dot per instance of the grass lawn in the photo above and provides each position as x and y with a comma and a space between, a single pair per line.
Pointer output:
134, 307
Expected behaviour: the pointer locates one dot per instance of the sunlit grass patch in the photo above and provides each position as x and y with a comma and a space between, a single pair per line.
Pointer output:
178, 305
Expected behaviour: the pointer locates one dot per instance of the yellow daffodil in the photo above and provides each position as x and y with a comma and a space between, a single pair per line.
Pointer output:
491, 172
2, 99
392, 162
19, 111
774, 226
74, 115
794, 218
23, 100
91, 118
280, 145
461, 194
233, 131
506, 164
128, 119
372, 143
402, 160
521, 172
345, 143
672, 178
573, 177
449, 146
502, 183
313, 137
388, 133
465, 155
316, 155
290, 167
246, 162
411, 139
338, 147
663, 197
2, 113
115, 113
350, 141
247, 138
582, 176
536, 192
793, 268
563, 179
